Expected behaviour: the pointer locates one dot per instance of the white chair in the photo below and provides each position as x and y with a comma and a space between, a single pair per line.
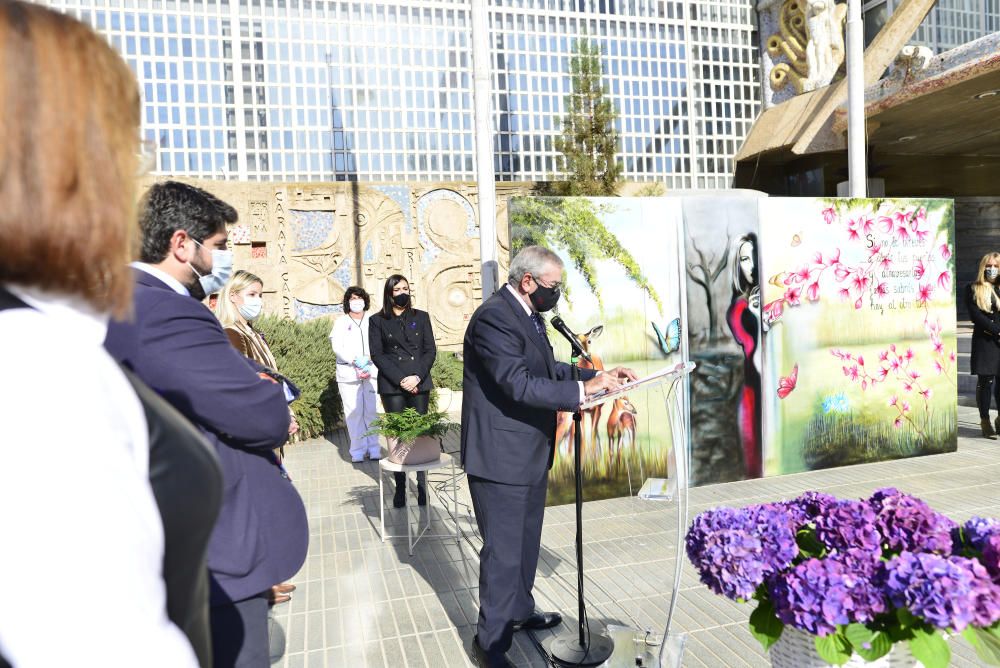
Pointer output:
411, 506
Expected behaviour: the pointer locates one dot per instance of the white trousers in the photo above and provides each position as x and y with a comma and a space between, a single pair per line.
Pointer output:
359, 410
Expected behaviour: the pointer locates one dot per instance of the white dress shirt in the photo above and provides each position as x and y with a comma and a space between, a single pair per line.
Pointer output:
527, 309
82, 557
174, 284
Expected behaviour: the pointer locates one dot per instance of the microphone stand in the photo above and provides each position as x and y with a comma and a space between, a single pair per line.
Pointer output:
582, 649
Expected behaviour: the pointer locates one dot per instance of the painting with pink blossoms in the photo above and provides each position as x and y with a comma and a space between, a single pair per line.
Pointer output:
859, 343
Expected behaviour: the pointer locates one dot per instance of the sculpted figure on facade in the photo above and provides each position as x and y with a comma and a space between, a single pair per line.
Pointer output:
805, 46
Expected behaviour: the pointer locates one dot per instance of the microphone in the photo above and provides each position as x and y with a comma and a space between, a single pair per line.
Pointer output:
561, 327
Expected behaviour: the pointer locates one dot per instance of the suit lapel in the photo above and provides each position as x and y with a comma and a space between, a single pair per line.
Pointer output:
529, 329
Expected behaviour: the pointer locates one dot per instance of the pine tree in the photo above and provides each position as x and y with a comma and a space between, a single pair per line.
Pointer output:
589, 140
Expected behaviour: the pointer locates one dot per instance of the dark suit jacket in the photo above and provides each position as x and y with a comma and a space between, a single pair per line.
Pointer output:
177, 347
984, 359
512, 387
402, 347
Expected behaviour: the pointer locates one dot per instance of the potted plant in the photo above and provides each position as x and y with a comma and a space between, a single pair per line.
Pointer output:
412, 437
882, 580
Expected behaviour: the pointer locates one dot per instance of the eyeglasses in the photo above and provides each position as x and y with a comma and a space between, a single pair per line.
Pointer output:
555, 286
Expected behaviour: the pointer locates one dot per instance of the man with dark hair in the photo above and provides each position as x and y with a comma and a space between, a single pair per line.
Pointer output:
178, 348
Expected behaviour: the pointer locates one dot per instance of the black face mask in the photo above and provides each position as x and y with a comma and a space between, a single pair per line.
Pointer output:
544, 299
401, 300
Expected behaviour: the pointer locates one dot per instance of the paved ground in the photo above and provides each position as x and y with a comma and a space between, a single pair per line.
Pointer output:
362, 602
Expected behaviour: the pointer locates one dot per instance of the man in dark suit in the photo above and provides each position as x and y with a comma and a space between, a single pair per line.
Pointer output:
177, 347
513, 387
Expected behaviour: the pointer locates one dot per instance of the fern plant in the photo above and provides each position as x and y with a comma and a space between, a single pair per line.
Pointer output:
409, 425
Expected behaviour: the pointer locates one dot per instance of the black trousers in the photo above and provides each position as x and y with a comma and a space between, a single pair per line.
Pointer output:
240, 634
987, 388
397, 403
510, 521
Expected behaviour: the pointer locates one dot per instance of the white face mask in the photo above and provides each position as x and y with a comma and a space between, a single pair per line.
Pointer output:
992, 273
357, 305
250, 308
222, 271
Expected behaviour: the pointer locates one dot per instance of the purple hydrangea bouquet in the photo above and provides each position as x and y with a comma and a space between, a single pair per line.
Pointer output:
858, 576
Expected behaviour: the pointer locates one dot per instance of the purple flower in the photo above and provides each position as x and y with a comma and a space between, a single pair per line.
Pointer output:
735, 550
806, 507
907, 523
976, 531
819, 594
846, 525
947, 592
991, 554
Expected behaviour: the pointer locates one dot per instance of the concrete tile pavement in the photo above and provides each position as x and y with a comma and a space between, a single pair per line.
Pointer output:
361, 602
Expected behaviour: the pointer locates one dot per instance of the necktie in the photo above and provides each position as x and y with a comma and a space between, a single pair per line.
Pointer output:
539, 325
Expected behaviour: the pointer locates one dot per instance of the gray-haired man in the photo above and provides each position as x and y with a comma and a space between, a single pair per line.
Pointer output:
513, 387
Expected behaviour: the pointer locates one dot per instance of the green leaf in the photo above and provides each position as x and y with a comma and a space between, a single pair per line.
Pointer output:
858, 635
878, 646
809, 545
834, 648
765, 625
930, 648
986, 642
906, 618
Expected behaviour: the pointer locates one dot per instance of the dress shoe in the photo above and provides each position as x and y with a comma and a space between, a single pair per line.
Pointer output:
987, 428
484, 660
539, 621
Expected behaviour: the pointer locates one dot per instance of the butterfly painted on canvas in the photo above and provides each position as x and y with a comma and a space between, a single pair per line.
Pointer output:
787, 383
672, 341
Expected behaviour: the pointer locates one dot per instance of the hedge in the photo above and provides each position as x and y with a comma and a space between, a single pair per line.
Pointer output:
447, 371
303, 354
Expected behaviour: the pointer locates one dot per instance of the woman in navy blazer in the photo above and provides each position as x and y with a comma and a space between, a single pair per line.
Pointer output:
402, 347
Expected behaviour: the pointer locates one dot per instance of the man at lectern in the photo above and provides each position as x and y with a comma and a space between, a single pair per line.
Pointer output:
513, 387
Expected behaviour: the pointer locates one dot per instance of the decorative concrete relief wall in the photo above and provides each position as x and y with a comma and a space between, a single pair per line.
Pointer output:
803, 45
310, 241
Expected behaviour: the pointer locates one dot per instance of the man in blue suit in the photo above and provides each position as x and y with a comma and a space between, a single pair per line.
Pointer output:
513, 387
177, 347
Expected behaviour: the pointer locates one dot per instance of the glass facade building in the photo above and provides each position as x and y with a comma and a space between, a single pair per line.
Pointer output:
950, 24
382, 91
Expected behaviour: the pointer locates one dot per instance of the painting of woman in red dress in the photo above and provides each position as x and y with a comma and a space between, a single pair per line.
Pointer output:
743, 317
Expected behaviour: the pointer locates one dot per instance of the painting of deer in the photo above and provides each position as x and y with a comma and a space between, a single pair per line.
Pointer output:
591, 416
621, 435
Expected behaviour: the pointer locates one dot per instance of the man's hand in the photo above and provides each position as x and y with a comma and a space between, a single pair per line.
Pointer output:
623, 374
599, 383
410, 383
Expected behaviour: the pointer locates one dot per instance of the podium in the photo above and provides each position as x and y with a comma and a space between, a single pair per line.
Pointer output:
583, 648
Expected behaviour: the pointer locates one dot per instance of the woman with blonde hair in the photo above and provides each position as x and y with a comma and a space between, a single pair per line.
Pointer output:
982, 299
240, 303
80, 510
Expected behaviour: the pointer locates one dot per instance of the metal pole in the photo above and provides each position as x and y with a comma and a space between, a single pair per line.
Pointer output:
484, 147
857, 169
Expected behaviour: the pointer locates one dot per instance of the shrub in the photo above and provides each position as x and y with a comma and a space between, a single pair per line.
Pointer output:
447, 371
304, 355
409, 425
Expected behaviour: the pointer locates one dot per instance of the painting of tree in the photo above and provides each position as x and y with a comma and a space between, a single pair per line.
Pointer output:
573, 225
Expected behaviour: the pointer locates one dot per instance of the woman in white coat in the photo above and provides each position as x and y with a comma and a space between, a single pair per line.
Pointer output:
356, 374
